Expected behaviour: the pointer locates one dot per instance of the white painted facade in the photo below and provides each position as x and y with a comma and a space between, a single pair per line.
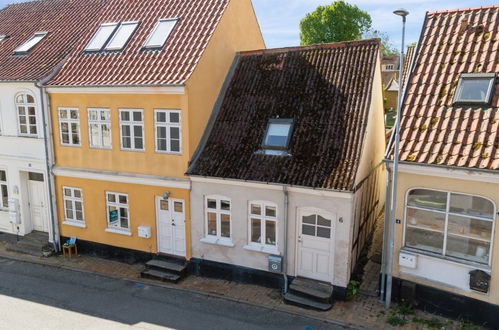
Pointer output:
21, 155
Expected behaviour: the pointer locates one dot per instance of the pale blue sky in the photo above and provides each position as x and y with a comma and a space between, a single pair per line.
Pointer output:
279, 19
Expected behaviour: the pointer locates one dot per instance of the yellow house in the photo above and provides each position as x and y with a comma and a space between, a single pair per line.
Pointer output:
128, 109
446, 241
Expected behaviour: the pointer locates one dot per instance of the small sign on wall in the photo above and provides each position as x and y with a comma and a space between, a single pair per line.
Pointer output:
113, 216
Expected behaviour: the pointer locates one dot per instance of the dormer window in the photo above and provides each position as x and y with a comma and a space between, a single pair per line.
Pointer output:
277, 136
32, 42
160, 33
475, 88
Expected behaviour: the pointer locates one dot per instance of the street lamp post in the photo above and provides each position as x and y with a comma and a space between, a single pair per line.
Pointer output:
393, 201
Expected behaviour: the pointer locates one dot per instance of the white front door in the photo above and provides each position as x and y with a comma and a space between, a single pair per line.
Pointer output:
315, 244
37, 201
171, 226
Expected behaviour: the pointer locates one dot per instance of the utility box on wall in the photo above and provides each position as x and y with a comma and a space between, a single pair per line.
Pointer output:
408, 260
275, 264
144, 231
479, 281
14, 211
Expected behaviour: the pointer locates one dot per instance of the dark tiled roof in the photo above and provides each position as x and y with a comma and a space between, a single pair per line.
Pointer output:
133, 66
433, 131
65, 20
326, 89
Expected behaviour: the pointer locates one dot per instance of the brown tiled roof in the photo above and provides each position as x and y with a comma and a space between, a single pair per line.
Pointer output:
433, 131
409, 56
325, 89
64, 20
172, 65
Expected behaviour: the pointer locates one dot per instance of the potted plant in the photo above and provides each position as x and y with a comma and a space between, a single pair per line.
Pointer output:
47, 250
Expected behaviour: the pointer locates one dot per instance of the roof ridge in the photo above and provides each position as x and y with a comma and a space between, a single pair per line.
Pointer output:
462, 9
309, 47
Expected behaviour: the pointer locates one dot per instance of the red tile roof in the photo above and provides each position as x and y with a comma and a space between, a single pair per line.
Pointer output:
433, 131
409, 57
65, 20
325, 89
133, 66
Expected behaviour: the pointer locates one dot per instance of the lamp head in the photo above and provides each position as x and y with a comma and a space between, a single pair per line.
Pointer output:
166, 195
401, 12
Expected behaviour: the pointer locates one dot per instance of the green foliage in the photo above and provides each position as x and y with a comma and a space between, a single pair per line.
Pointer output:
431, 324
352, 289
387, 47
404, 309
337, 22
396, 321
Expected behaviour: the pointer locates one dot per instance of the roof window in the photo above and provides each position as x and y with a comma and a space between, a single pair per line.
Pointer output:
32, 42
101, 37
122, 35
2, 37
277, 136
475, 88
160, 33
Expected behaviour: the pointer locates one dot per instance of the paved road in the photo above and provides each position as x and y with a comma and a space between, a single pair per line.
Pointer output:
42, 297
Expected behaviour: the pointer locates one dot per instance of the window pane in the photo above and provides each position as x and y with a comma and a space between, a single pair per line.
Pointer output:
473, 228
30, 99
94, 135
212, 223
101, 36
125, 116
212, 203
106, 136
225, 225
473, 89
163, 205
67, 192
178, 207
20, 98
471, 205
161, 132
428, 199
324, 232
121, 36
270, 211
256, 209
137, 131
5, 196
308, 230
161, 33
469, 249
30, 43
63, 114
174, 117
79, 215
256, 230
77, 193
123, 199
93, 114
425, 219
161, 117
74, 114
225, 205
175, 145
270, 233
138, 143
3, 176
174, 133
425, 240
277, 135
31, 111
111, 198
137, 116
310, 219
69, 206
162, 145
323, 221
127, 143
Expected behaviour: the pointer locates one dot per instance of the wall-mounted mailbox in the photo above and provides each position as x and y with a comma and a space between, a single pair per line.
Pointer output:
14, 211
408, 260
275, 264
144, 231
479, 281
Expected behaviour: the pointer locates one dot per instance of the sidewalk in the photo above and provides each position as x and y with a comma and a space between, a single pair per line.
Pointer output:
361, 312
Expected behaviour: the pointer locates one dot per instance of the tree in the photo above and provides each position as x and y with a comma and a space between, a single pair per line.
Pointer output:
337, 22
387, 47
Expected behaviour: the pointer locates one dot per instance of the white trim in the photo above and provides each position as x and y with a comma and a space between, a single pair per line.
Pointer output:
461, 174
131, 123
217, 241
167, 125
69, 121
73, 201
117, 231
74, 224
117, 90
23, 49
118, 205
272, 186
121, 177
218, 217
263, 225
261, 248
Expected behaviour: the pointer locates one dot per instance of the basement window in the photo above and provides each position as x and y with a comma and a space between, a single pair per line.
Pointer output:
161, 32
475, 88
32, 42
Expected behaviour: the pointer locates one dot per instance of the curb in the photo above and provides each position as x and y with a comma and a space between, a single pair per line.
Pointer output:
187, 290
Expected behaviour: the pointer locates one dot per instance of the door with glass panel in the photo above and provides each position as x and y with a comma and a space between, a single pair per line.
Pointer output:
38, 201
171, 226
315, 244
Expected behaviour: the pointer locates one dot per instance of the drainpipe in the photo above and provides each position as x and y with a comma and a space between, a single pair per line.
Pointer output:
385, 234
285, 253
51, 183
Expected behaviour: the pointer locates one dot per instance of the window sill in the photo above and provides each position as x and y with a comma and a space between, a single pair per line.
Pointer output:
118, 231
460, 262
217, 241
74, 224
262, 249
173, 153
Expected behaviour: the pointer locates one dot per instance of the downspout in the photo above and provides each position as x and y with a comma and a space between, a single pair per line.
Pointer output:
285, 253
51, 183
385, 235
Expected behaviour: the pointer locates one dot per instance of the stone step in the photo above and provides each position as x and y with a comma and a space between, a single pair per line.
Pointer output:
31, 244
293, 299
166, 265
37, 236
311, 289
160, 275
25, 250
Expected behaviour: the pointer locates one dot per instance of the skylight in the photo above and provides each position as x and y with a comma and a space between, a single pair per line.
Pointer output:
101, 37
2, 37
278, 134
475, 88
160, 33
32, 42
122, 35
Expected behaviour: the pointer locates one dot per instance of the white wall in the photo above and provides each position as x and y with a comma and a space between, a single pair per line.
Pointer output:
240, 194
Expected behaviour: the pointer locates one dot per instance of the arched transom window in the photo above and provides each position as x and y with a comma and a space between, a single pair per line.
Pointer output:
450, 224
26, 112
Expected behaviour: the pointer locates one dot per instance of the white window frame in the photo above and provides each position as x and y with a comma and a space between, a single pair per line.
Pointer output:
69, 121
2, 37
445, 233
475, 76
26, 105
28, 45
116, 31
167, 125
263, 220
87, 49
100, 124
132, 123
112, 228
218, 238
6, 185
73, 200
158, 46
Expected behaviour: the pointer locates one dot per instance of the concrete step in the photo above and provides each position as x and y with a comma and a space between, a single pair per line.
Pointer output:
37, 236
24, 250
293, 299
160, 275
311, 289
31, 244
166, 265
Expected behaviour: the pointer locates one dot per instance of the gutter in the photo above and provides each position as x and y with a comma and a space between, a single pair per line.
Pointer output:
446, 167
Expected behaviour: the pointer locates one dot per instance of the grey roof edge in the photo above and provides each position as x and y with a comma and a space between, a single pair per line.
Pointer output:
442, 166
214, 114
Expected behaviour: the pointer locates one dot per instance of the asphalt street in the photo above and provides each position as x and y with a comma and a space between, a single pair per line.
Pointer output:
42, 297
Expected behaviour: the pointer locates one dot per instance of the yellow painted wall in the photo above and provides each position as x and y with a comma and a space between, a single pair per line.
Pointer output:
237, 31
489, 190
141, 206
